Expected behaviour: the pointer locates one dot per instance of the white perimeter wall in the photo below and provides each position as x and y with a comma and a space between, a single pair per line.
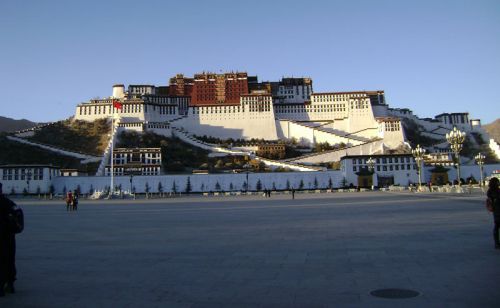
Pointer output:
208, 180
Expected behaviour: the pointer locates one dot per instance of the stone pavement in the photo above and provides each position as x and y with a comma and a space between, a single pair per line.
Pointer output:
319, 250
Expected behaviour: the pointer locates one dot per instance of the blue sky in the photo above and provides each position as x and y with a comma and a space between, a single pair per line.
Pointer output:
429, 56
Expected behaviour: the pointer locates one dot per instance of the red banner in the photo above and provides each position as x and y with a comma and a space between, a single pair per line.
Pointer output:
117, 105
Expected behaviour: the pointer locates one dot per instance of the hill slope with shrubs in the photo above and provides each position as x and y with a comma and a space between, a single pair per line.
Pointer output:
79, 136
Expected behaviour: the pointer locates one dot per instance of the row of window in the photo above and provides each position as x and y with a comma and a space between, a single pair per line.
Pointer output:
383, 160
392, 126
335, 97
101, 109
217, 109
359, 104
141, 90
259, 107
118, 171
387, 168
313, 108
35, 174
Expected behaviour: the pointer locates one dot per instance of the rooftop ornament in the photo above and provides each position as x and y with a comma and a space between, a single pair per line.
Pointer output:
456, 139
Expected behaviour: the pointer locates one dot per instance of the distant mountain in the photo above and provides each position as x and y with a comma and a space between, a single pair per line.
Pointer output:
11, 125
493, 129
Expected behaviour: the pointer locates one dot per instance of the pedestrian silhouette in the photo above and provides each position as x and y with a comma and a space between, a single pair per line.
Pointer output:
8, 231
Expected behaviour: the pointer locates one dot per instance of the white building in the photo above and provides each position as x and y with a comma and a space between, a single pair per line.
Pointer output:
135, 161
292, 90
27, 178
388, 169
291, 111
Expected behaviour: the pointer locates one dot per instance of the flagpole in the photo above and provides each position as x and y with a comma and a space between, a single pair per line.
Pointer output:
112, 189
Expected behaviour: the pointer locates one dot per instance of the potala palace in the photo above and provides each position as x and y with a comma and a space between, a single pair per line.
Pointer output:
238, 106
235, 105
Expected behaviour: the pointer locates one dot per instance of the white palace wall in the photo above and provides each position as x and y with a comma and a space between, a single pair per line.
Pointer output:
206, 181
308, 136
250, 119
336, 155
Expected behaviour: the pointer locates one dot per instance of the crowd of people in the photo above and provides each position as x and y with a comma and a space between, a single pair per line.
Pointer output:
72, 201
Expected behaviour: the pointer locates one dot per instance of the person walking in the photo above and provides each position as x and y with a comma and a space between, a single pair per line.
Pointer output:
75, 200
7, 245
493, 195
69, 201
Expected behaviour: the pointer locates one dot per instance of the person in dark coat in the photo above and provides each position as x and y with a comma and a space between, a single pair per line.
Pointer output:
7, 246
494, 195
75, 201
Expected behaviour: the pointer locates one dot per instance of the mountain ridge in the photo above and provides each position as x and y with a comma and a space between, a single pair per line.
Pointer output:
11, 125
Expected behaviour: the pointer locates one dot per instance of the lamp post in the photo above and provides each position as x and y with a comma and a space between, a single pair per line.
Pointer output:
418, 154
480, 161
131, 178
456, 139
371, 164
28, 179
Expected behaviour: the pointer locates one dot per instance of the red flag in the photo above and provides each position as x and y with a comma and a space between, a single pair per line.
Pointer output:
117, 105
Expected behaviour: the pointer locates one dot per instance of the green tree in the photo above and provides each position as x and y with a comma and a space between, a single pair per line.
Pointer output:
65, 190
344, 182
160, 188
217, 186
52, 189
287, 184
231, 187
258, 186
330, 184
174, 187
202, 187
91, 189
301, 184
188, 185
315, 183
146, 189
274, 186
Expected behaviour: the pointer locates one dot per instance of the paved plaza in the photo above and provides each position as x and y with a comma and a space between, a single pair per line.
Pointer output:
319, 250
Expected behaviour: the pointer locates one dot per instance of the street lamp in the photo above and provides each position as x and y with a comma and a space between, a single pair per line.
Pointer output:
456, 139
371, 164
418, 154
480, 161
131, 178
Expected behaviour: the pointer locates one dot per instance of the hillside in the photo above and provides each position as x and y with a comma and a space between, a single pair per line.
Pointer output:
493, 129
80, 136
12, 125
177, 156
181, 157
17, 153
